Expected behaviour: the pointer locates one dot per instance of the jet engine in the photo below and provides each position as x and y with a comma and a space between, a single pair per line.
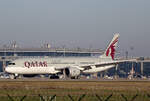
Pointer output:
72, 72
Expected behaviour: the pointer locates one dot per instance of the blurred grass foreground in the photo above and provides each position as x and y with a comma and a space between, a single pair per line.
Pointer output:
74, 91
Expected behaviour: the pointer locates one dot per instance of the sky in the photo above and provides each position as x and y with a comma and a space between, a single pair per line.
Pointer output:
77, 23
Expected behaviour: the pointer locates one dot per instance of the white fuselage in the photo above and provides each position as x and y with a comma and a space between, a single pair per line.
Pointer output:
51, 65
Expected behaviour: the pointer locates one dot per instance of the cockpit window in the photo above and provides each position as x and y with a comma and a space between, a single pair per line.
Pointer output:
11, 64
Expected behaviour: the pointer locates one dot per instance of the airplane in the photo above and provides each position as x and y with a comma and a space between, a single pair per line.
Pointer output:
71, 67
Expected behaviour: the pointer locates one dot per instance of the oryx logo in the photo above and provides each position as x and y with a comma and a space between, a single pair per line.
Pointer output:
111, 49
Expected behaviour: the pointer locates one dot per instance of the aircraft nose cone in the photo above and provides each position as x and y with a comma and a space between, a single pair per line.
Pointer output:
7, 69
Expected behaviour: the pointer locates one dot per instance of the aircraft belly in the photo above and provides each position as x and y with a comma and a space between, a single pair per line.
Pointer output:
33, 70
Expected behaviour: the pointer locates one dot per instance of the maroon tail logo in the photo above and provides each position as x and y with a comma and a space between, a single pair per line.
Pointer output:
112, 47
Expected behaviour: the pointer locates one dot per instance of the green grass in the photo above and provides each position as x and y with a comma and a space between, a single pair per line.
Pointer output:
18, 89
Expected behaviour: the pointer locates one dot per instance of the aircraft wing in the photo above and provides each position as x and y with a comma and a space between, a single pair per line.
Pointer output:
114, 62
98, 65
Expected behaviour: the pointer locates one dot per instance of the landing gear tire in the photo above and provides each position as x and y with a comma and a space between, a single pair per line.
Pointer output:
54, 77
77, 77
12, 76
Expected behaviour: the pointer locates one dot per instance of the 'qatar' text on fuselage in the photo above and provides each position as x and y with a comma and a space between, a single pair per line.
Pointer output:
35, 64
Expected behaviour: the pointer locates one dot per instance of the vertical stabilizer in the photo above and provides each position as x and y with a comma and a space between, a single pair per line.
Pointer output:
111, 49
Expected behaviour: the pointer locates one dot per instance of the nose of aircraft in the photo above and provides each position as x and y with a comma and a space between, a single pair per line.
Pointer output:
7, 69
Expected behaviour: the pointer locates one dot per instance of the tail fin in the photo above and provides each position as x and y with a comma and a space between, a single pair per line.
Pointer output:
111, 49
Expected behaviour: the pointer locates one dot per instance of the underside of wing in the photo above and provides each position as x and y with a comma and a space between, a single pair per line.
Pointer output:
103, 64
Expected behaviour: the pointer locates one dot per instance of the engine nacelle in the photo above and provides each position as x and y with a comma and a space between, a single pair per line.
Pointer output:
72, 72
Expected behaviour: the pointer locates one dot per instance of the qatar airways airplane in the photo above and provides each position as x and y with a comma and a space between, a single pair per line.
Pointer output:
69, 66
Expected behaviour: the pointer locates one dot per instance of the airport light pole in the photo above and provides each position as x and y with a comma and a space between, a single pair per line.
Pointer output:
14, 46
64, 49
4, 58
126, 54
48, 46
132, 48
